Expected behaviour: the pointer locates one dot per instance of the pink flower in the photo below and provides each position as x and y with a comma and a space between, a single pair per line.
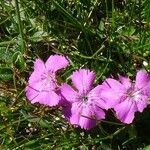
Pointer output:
85, 103
127, 97
42, 85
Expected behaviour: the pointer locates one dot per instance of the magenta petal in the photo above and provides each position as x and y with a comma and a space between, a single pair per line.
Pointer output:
111, 97
143, 103
114, 84
63, 102
67, 111
142, 78
41, 93
42, 85
125, 81
95, 95
56, 62
48, 98
143, 81
99, 113
39, 69
76, 110
69, 93
125, 111
146, 90
34, 89
31, 93
112, 92
39, 65
87, 120
35, 77
83, 80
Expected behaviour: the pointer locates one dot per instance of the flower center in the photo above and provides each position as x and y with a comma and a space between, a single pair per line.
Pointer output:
84, 98
135, 95
48, 79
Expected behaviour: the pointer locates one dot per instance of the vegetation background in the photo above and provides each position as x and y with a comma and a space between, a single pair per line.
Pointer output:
110, 37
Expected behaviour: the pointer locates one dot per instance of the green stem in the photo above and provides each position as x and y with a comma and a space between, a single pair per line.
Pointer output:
113, 23
118, 131
112, 135
90, 57
112, 123
7, 42
20, 26
106, 7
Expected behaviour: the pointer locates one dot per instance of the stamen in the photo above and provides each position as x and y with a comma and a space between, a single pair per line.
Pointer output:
134, 94
84, 98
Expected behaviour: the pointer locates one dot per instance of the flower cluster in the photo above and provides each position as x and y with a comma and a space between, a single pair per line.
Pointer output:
83, 103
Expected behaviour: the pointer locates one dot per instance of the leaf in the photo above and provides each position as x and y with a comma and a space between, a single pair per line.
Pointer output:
132, 131
38, 36
129, 31
18, 60
101, 25
5, 73
34, 119
147, 147
5, 55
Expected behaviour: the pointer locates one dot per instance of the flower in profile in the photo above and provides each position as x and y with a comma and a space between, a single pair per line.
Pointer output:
85, 106
42, 85
127, 97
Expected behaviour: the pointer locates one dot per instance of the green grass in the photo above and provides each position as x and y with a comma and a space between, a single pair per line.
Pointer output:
110, 37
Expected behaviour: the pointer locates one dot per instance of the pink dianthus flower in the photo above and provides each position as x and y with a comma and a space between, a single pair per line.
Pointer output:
127, 97
42, 85
85, 106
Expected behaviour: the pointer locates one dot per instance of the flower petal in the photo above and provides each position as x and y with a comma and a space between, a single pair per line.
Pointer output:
83, 114
33, 90
125, 81
95, 97
111, 98
125, 111
114, 84
76, 109
31, 93
143, 81
69, 93
99, 113
112, 92
39, 69
86, 121
41, 92
48, 98
83, 80
142, 78
67, 111
39, 65
56, 62
143, 103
